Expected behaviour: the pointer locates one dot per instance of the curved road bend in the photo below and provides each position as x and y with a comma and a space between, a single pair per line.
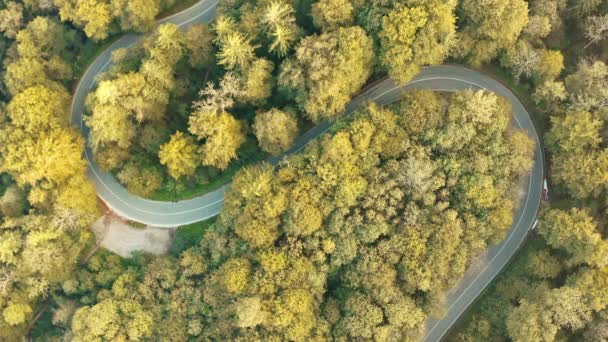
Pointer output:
439, 78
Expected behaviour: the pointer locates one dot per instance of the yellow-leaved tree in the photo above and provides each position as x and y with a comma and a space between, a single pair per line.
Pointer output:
276, 130
179, 155
328, 70
415, 36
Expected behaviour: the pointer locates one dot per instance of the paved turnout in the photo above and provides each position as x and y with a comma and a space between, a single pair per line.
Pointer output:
440, 78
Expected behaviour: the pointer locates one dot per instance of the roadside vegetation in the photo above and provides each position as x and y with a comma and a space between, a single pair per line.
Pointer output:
555, 289
360, 235
178, 114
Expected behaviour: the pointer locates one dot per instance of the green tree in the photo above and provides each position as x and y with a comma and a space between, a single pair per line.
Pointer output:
12, 202
585, 7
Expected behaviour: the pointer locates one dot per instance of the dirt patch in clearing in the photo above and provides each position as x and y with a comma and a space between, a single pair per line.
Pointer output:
117, 236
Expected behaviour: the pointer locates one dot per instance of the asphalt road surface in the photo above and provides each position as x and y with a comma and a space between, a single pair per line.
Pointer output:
439, 78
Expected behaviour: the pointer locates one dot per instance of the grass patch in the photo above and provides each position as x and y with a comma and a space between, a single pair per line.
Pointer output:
189, 236
44, 329
168, 195
136, 225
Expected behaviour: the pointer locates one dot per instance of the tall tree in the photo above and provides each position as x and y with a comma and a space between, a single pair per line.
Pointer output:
523, 59
179, 155
222, 135
52, 156
328, 70
279, 19
236, 50
588, 86
276, 130
93, 15
11, 19
483, 32
596, 29
39, 108
258, 81
199, 45
584, 7
221, 132
328, 15
138, 15
576, 233
415, 36
112, 319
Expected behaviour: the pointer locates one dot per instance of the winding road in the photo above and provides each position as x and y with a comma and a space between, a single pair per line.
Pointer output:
439, 78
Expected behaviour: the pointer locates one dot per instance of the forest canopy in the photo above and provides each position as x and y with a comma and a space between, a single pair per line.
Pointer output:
260, 65
357, 237
555, 289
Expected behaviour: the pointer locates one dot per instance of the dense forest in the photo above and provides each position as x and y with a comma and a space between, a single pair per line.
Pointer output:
356, 237
182, 111
359, 236
556, 288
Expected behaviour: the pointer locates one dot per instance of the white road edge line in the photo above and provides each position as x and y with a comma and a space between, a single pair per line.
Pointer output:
504, 242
